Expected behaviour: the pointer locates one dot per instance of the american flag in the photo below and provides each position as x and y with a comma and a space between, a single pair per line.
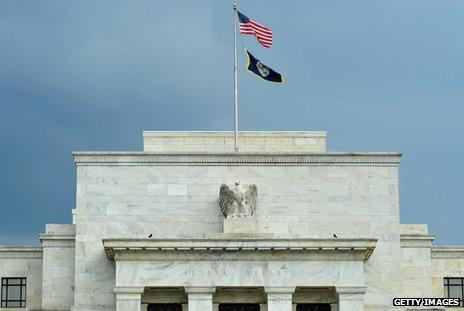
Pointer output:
250, 27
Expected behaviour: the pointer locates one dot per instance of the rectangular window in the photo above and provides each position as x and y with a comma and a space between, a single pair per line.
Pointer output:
164, 307
13, 293
454, 288
239, 307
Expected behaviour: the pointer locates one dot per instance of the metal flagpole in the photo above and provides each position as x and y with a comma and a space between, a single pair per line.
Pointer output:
235, 78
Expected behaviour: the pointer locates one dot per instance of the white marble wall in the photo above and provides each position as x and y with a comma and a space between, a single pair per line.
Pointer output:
446, 262
200, 298
350, 200
279, 298
224, 141
24, 262
416, 244
309, 200
239, 273
58, 266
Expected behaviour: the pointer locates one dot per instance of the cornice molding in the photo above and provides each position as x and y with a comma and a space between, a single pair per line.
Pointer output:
53, 240
15, 252
347, 291
230, 134
128, 289
417, 240
200, 289
454, 252
279, 290
242, 158
238, 249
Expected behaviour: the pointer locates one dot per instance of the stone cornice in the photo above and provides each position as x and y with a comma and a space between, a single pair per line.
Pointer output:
238, 249
171, 134
417, 240
128, 289
452, 252
53, 240
280, 290
242, 158
200, 289
20, 252
348, 290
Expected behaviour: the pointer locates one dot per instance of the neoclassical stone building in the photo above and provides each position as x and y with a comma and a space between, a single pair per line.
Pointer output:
148, 232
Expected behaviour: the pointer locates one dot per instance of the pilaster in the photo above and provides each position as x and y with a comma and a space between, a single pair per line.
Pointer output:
200, 298
351, 298
128, 298
279, 298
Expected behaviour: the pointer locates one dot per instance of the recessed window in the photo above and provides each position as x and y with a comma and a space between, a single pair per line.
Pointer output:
164, 307
454, 288
313, 307
239, 307
13, 293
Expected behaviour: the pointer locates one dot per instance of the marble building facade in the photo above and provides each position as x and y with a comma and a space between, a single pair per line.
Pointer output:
148, 232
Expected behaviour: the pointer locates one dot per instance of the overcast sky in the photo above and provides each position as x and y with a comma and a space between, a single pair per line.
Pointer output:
91, 75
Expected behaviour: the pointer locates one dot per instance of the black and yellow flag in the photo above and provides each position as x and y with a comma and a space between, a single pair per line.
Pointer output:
261, 70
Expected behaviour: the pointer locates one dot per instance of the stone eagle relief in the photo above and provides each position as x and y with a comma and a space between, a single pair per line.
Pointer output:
238, 200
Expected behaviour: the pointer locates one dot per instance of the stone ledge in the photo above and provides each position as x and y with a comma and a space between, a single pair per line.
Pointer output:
245, 249
280, 290
242, 158
169, 134
200, 289
21, 252
451, 252
417, 240
349, 290
54, 240
128, 289
93, 308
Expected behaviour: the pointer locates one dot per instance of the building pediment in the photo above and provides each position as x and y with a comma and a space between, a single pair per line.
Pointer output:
239, 249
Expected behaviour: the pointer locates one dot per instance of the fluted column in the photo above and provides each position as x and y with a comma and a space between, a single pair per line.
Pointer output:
279, 298
200, 298
351, 298
128, 298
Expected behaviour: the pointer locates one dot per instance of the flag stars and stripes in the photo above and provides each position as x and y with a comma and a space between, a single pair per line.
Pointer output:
251, 27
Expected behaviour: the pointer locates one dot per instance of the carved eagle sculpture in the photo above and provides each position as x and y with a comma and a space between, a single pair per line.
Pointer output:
238, 200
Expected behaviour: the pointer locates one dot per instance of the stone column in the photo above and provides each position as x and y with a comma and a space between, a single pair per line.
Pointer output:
279, 298
351, 298
200, 298
128, 298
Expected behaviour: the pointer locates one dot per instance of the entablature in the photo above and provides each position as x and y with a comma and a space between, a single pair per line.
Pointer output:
239, 249
21, 252
450, 252
417, 240
231, 158
57, 240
